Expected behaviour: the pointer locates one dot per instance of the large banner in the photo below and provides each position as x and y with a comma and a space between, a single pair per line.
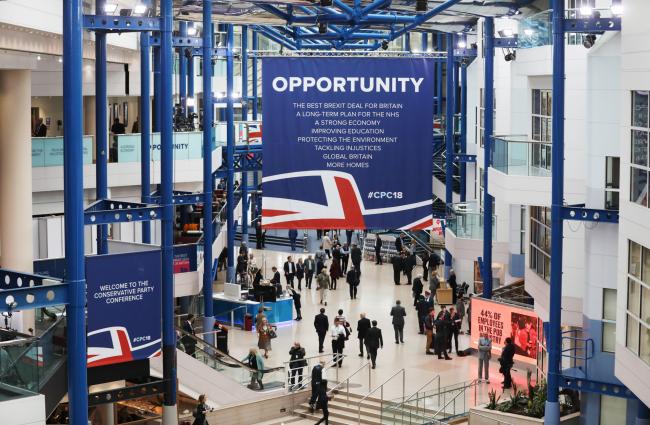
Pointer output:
500, 321
348, 143
124, 307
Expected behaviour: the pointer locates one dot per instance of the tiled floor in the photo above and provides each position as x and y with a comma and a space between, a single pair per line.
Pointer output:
376, 296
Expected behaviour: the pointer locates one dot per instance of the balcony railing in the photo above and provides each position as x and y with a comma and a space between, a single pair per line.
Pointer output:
519, 156
466, 221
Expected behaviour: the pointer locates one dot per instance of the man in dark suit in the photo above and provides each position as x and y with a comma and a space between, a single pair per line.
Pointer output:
188, 342
41, 129
322, 325
348, 236
399, 244
275, 281
363, 325
425, 264
293, 235
442, 329
434, 262
289, 270
398, 312
316, 378
355, 256
398, 265
258, 235
374, 341
378, 244
353, 281
409, 264
310, 270
416, 290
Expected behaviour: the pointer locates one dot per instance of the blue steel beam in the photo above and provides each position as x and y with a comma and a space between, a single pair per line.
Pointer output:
254, 76
589, 214
244, 85
488, 119
274, 36
145, 129
592, 25
156, 90
438, 68
170, 414
120, 23
190, 82
420, 19
73, 210
12, 279
217, 52
424, 46
122, 216
230, 163
463, 158
182, 69
101, 128
506, 42
208, 129
449, 136
27, 298
554, 346
180, 41
464, 53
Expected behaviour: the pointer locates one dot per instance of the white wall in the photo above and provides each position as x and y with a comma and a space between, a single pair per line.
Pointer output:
28, 410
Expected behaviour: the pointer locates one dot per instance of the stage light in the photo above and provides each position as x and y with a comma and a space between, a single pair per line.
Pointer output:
421, 5
461, 44
586, 10
589, 41
140, 9
191, 31
510, 56
325, 3
529, 31
384, 45
617, 9
110, 8
322, 28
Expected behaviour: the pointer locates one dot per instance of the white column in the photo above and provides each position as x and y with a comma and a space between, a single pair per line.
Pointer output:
16, 179
106, 414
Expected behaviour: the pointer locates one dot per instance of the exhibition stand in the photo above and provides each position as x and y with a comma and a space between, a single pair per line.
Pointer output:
231, 310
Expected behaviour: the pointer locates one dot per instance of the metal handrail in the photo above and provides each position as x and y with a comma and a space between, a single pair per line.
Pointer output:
347, 382
461, 391
381, 387
306, 381
495, 421
416, 392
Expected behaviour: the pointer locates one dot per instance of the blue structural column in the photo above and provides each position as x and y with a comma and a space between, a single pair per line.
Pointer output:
463, 129
425, 41
145, 128
182, 69
73, 208
221, 28
449, 135
170, 414
407, 41
208, 128
488, 119
642, 414
156, 89
230, 155
254, 76
552, 415
439, 77
244, 117
190, 83
101, 126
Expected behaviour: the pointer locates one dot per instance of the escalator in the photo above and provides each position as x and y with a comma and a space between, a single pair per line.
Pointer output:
32, 365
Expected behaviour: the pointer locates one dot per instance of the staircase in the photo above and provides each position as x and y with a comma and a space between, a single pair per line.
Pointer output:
344, 413
440, 167
270, 240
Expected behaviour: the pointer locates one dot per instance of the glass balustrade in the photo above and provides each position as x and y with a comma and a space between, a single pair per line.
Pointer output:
517, 155
466, 221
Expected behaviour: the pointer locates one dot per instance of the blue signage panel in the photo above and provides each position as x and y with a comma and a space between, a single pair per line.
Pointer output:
348, 143
124, 307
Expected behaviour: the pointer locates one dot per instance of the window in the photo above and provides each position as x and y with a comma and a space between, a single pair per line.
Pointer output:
609, 320
637, 322
573, 12
480, 114
613, 410
540, 242
639, 167
612, 182
541, 128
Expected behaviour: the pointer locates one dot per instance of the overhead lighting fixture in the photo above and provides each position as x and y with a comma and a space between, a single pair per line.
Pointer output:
191, 31
110, 8
60, 60
529, 31
508, 32
617, 9
589, 41
510, 56
421, 5
140, 9
189, 102
586, 10
461, 44
221, 95
38, 57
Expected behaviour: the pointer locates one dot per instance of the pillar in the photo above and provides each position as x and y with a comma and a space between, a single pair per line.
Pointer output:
642, 414
488, 201
230, 154
16, 247
106, 413
449, 136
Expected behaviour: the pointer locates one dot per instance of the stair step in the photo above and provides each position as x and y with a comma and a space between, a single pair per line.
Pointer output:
285, 420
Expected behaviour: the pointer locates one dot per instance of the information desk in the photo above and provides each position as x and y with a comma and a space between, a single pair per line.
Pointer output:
276, 312
444, 294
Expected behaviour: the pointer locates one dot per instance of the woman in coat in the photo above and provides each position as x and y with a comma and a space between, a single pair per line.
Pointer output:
199, 412
335, 272
256, 365
264, 337
323, 281
300, 272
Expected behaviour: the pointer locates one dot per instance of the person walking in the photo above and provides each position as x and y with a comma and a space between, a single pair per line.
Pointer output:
378, 244
296, 364
300, 272
410, 262
260, 317
434, 262
293, 235
430, 326
484, 355
296, 302
355, 257
434, 284
256, 365
398, 312
425, 265
417, 289
374, 341
289, 270
453, 285
323, 281
188, 340
348, 236
326, 242
507, 361
353, 281
454, 328
322, 325
422, 310
317, 373
441, 334
398, 266
335, 273
338, 335
310, 270
363, 325
345, 257
200, 411
258, 234
264, 333
323, 402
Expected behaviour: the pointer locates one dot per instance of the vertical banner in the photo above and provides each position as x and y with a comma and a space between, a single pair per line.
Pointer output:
348, 143
500, 321
124, 307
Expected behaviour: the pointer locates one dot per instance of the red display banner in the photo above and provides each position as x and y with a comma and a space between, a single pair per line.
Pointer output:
500, 321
